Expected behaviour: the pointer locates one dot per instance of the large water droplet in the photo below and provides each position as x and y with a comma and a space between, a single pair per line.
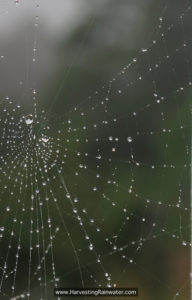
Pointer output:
45, 139
29, 119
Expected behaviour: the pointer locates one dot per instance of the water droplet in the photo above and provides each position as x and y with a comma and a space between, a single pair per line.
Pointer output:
45, 139
91, 247
29, 119
129, 139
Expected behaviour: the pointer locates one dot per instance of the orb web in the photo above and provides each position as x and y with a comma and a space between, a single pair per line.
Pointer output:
87, 194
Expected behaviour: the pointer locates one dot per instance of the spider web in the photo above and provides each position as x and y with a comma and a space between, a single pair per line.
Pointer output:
86, 195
